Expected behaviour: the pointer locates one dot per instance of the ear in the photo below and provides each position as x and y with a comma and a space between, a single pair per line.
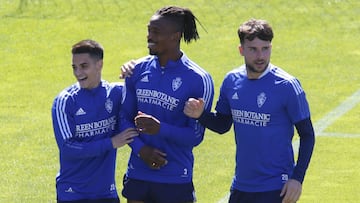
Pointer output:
176, 36
241, 50
99, 64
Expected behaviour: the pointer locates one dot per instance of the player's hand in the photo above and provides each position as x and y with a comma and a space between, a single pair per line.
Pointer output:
126, 69
194, 107
147, 124
291, 191
153, 157
123, 138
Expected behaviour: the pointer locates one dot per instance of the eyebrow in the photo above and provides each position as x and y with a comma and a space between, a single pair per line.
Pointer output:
259, 47
81, 64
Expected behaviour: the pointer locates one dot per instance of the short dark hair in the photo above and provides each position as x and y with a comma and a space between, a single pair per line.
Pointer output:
184, 20
255, 28
89, 46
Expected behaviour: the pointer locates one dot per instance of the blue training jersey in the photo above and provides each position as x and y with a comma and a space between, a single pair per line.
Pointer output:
84, 121
162, 93
264, 112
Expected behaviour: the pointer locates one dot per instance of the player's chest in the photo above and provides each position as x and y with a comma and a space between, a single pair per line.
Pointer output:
157, 85
252, 96
95, 109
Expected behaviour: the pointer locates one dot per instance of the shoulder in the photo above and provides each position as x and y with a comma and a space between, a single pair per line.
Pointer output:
236, 73
144, 62
193, 68
70, 91
142, 66
283, 78
113, 88
280, 73
112, 85
67, 95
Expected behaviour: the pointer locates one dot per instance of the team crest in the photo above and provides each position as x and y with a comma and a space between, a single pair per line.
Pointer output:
176, 83
261, 98
109, 105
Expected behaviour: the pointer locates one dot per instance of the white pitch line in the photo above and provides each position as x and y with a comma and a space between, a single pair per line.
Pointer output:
339, 134
331, 117
225, 199
325, 122
343, 108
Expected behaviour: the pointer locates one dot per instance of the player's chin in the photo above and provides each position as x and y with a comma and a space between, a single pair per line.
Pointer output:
83, 84
153, 50
259, 68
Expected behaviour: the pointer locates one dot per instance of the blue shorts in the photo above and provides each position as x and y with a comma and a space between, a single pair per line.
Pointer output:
237, 196
152, 192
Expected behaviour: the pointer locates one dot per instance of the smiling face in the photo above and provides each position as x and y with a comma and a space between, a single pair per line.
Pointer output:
163, 39
256, 55
87, 70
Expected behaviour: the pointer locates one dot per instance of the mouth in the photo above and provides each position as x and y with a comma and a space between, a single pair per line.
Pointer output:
259, 62
151, 44
82, 79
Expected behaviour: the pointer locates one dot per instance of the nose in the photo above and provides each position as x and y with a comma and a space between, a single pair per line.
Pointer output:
149, 35
259, 54
76, 71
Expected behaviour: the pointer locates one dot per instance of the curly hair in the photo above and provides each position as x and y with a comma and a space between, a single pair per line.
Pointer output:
255, 28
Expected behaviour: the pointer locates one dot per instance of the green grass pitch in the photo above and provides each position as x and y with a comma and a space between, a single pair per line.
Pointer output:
316, 41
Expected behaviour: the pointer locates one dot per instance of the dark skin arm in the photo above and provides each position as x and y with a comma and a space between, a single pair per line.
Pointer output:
126, 69
147, 124
153, 157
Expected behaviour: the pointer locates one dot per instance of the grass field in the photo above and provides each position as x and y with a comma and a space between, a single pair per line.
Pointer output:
317, 41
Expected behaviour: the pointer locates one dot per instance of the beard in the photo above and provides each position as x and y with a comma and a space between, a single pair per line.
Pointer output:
252, 69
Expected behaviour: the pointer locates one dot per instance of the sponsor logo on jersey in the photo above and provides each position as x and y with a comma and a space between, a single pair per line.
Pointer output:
145, 79
109, 105
96, 128
250, 117
157, 98
80, 112
261, 98
176, 83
